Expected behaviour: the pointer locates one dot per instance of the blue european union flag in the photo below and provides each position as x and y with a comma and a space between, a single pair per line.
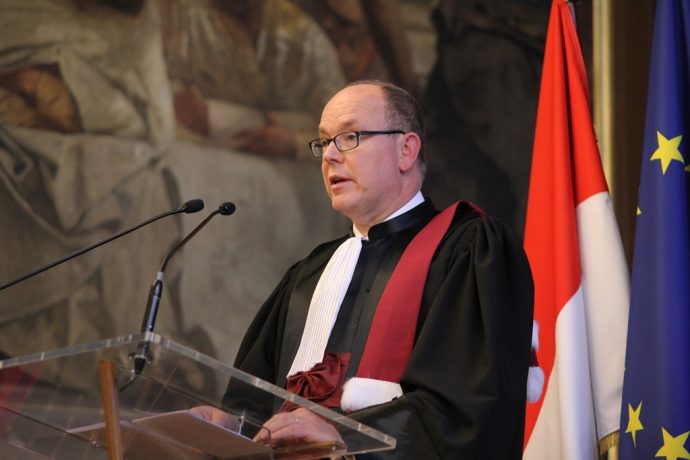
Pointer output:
655, 416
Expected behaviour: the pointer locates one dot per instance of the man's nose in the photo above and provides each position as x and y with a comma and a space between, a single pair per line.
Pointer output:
332, 153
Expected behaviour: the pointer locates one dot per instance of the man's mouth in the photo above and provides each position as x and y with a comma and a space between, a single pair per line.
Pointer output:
334, 180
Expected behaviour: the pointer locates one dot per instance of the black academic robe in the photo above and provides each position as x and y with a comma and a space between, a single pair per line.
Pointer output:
464, 384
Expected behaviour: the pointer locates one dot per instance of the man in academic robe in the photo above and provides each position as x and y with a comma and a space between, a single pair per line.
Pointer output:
444, 370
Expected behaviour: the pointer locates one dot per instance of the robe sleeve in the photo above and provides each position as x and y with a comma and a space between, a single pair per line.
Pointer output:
464, 385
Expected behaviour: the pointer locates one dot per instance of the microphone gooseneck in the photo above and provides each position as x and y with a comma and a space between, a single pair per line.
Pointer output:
155, 293
225, 209
190, 206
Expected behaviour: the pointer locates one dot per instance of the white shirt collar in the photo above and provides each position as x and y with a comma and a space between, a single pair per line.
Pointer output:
414, 202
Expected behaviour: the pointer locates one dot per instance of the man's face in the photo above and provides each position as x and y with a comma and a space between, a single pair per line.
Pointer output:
364, 184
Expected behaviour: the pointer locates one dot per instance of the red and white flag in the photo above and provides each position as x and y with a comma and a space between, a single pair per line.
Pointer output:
575, 252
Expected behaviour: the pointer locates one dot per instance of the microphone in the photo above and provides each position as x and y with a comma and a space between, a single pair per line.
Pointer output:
141, 356
189, 207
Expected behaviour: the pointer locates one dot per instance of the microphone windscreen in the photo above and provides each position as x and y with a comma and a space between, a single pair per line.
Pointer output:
227, 208
193, 206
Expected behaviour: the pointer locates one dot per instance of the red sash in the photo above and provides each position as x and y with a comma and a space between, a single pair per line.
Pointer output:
395, 321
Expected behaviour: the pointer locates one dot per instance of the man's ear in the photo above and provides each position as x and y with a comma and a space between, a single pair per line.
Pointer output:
409, 152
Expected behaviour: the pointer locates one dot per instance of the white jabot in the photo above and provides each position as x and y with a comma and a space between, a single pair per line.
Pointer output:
329, 294
325, 303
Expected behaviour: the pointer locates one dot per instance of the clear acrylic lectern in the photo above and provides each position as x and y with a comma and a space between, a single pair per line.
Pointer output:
51, 406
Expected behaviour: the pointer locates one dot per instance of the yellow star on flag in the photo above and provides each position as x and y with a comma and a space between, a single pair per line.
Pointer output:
634, 423
667, 151
674, 447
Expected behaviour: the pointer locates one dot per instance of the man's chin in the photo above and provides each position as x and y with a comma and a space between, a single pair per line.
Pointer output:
342, 204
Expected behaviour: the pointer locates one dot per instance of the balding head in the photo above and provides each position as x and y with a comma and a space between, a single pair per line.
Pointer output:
403, 112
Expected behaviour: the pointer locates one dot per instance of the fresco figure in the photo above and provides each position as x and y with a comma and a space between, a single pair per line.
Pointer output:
481, 101
249, 74
85, 107
89, 145
249, 78
369, 36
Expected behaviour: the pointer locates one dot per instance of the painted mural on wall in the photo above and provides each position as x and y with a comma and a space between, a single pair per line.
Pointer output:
113, 111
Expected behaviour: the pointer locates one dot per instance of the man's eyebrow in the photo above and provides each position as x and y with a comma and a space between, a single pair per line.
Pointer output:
343, 127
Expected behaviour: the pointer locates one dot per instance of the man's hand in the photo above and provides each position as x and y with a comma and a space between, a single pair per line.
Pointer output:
300, 425
214, 415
